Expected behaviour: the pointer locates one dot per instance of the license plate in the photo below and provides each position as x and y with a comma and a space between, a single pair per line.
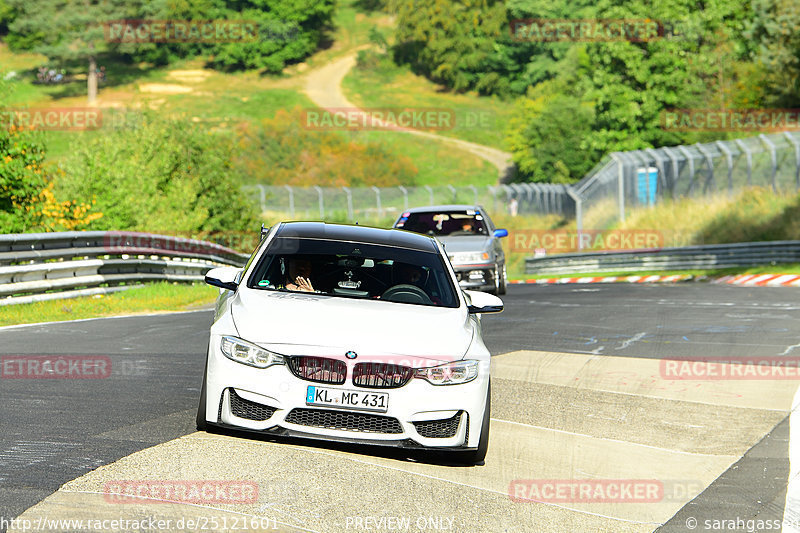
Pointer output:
348, 399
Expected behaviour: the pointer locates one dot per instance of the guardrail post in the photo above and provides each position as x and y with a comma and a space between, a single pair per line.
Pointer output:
729, 160
516, 189
578, 215
262, 197
405, 197
774, 157
617, 156
537, 190
675, 171
662, 179
430, 193
710, 165
378, 200
690, 160
749, 158
291, 201
321, 197
796, 145
528, 188
349, 202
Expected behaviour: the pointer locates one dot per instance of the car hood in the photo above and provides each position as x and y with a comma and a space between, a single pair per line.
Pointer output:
296, 323
466, 243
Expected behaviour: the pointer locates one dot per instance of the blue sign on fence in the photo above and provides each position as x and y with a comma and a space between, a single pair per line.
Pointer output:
646, 184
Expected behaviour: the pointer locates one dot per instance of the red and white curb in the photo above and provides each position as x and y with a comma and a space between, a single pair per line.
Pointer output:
609, 279
747, 280
762, 280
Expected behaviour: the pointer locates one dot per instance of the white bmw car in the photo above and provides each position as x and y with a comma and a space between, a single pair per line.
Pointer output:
350, 333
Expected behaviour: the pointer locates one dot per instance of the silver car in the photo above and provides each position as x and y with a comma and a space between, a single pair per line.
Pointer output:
470, 239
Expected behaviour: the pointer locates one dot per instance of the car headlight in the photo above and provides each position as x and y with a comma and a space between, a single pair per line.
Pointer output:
470, 257
450, 373
249, 354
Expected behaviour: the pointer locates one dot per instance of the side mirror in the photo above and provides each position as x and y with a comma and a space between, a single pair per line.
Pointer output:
500, 233
483, 302
223, 277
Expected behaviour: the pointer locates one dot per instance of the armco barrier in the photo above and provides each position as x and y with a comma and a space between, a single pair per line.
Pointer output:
702, 257
46, 266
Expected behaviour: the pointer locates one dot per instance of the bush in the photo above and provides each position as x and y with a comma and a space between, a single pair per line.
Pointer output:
22, 178
160, 176
281, 151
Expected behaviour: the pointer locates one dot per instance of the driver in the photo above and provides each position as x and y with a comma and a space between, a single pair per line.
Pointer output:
410, 274
298, 275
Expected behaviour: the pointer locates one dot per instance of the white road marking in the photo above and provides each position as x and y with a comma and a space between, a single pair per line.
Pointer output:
596, 351
790, 348
630, 341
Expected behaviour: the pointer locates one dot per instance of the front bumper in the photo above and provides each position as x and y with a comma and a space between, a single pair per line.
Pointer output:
273, 401
476, 277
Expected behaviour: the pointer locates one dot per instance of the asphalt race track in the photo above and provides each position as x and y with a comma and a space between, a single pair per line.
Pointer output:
580, 397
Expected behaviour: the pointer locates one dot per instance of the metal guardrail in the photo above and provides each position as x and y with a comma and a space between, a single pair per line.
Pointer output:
700, 257
46, 266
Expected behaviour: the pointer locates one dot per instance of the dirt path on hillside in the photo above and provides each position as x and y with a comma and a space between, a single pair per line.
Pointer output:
324, 87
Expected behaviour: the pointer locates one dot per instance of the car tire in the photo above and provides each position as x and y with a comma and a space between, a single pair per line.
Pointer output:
202, 425
501, 287
477, 456
495, 289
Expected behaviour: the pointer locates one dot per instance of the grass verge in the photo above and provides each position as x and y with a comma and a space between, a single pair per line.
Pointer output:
152, 297
379, 83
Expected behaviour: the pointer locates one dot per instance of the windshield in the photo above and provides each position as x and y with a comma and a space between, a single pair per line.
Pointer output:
444, 223
355, 270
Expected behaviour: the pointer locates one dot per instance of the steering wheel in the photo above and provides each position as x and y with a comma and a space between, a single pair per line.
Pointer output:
408, 294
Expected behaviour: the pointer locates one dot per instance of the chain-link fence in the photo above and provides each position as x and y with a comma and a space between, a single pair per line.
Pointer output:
626, 180
355, 203
620, 182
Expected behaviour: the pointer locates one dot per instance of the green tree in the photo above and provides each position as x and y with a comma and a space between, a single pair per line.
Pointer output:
69, 30
451, 42
289, 30
775, 30
628, 85
7, 15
